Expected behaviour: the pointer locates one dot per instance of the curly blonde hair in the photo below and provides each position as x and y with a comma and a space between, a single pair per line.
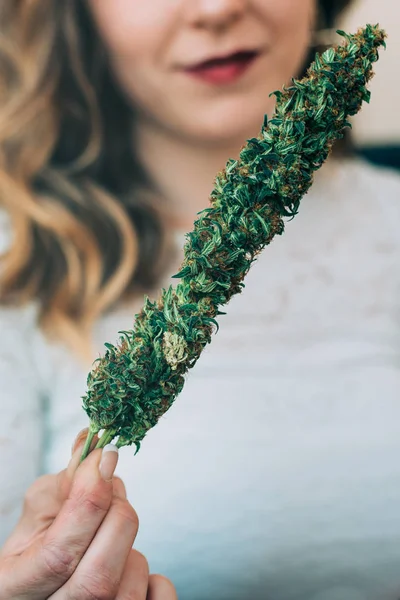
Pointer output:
88, 233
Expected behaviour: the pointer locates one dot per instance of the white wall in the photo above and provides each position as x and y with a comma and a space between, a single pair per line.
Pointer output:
380, 121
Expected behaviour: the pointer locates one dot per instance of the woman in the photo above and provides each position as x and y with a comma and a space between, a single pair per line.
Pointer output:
273, 475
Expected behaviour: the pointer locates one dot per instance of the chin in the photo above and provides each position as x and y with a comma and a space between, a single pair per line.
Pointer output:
230, 124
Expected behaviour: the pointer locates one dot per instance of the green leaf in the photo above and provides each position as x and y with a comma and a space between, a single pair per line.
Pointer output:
133, 385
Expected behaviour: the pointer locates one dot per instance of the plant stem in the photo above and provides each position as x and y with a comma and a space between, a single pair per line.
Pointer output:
86, 449
137, 380
106, 438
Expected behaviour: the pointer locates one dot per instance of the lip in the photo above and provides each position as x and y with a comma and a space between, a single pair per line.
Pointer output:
220, 70
221, 57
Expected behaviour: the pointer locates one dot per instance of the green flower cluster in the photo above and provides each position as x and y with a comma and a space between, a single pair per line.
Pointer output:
136, 382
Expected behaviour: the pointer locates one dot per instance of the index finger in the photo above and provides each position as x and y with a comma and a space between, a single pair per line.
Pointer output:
50, 562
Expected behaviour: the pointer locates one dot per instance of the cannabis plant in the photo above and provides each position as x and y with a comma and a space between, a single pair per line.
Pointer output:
137, 381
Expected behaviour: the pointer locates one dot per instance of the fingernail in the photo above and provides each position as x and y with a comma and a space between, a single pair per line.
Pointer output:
81, 437
108, 462
75, 458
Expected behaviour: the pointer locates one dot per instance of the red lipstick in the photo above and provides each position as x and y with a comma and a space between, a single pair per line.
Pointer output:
219, 71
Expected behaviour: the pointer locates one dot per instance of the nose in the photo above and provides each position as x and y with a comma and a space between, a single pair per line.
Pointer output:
214, 14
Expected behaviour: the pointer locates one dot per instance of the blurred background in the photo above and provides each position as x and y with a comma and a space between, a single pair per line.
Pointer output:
376, 130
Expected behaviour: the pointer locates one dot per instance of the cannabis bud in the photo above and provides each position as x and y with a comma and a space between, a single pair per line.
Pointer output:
136, 382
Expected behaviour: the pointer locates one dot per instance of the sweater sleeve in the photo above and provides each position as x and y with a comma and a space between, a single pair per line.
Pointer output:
21, 414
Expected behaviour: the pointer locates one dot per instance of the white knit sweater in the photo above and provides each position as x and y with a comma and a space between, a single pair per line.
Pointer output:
276, 474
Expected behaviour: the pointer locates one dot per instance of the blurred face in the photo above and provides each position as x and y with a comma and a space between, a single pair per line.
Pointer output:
203, 69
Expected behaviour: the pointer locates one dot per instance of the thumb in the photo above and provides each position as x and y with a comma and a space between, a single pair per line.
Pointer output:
50, 560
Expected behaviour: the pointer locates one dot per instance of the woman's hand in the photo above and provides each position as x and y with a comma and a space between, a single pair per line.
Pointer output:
74, 539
